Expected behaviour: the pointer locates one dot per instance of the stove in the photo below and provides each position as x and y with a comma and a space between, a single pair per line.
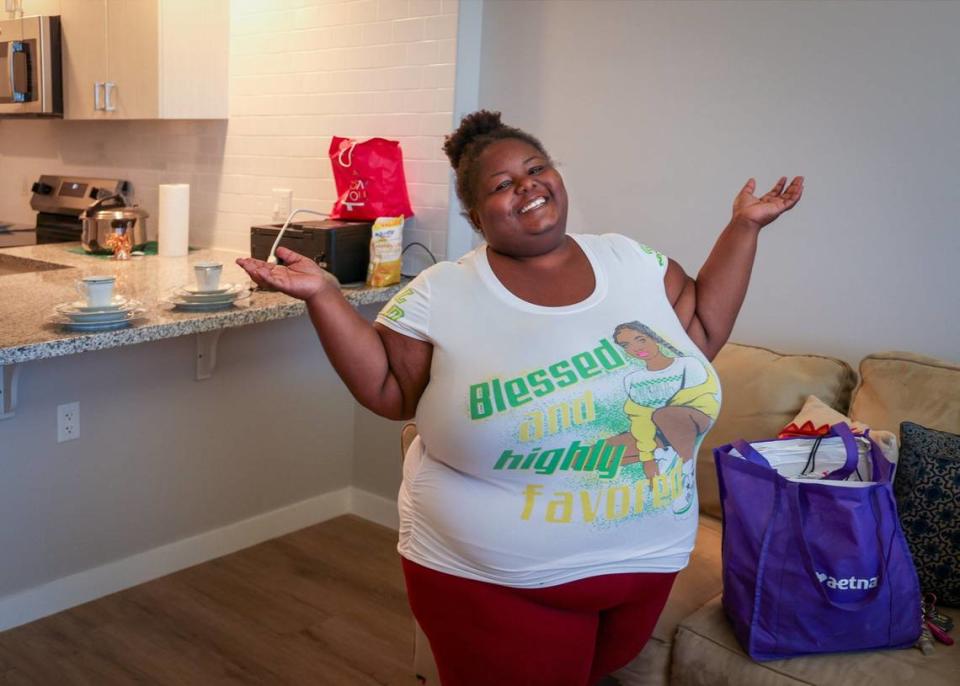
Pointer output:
59, 200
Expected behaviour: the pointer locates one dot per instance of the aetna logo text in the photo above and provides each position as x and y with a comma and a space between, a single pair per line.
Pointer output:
852, 583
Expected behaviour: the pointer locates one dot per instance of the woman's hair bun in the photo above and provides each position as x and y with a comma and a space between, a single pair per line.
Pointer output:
471, 127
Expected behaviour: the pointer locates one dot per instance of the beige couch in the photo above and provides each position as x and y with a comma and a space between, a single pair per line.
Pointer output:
763, 391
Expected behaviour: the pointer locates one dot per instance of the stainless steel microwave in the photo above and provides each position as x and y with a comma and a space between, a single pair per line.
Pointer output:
30, 73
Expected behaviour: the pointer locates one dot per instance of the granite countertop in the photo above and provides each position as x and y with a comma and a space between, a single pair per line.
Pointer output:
27, 300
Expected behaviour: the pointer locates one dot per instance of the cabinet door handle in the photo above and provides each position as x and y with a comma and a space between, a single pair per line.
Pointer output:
109, 87
97, 102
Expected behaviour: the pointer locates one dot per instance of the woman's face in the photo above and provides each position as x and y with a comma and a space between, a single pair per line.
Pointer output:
521, 206
638, 344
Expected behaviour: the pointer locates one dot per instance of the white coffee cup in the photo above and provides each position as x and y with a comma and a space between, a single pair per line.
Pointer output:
208, 275
98, 290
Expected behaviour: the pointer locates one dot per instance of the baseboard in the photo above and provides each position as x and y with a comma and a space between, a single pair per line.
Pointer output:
374, 508
76, 589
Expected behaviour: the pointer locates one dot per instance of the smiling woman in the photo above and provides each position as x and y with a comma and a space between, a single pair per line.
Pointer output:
515, 198
561, 385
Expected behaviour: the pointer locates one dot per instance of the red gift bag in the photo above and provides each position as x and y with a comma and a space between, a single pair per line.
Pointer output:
370, 179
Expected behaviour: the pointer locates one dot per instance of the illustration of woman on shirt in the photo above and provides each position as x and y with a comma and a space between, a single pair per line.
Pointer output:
671, 402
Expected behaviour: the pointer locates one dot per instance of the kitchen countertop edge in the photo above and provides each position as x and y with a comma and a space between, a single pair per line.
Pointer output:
60, 343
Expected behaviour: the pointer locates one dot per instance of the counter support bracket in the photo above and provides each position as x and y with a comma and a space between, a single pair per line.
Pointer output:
8, 389
207, 353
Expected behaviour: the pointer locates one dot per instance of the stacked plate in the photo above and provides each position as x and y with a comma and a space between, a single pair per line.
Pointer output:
192, 299
78, 316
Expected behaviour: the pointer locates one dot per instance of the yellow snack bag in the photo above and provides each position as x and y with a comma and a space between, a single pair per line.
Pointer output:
386, 245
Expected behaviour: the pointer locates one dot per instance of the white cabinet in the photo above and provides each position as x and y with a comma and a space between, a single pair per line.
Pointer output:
145, 59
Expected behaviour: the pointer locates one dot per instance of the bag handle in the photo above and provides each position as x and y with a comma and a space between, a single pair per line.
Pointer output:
882, 467
842, 430
840, 474
101, 204
750, 453
807, 556
348, 148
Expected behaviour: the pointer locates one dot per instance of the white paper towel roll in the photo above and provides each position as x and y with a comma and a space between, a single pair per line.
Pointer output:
174, 219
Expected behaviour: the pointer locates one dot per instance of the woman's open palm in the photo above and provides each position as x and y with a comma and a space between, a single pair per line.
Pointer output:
763, 210
299, 277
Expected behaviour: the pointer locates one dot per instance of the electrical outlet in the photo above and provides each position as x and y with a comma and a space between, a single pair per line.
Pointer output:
68, 422
282, 203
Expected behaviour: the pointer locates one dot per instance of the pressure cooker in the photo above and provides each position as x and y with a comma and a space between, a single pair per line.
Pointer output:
110, 220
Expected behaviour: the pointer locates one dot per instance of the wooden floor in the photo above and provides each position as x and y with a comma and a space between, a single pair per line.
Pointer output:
324, 605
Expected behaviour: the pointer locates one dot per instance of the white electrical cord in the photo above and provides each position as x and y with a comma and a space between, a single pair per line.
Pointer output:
272, 258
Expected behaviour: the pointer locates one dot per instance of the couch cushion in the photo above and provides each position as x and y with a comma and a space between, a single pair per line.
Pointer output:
706, 652
897, 387
762, 391
695, 585
650, 668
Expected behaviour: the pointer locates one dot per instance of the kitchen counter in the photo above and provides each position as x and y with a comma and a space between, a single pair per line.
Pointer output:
27, 300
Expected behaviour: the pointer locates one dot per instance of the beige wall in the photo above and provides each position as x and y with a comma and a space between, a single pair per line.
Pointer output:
658, 112
300, 72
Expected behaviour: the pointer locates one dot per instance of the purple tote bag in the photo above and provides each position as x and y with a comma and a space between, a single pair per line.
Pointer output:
814, 565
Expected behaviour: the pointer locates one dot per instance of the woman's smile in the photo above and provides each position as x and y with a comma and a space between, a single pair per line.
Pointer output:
534, 204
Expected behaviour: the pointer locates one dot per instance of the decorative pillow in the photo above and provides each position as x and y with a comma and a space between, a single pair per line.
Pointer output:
928, 500
816, 417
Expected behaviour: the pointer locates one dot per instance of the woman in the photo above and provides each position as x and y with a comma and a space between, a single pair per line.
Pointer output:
530, 555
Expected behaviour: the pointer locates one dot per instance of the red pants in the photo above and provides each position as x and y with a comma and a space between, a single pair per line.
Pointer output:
568, 635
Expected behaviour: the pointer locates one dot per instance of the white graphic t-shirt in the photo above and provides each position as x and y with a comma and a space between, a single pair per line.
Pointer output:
555, 443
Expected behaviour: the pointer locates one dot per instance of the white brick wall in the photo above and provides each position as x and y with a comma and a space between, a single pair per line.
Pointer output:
300, 72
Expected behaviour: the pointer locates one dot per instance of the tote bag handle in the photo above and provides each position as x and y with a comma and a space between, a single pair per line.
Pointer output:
750, 453
840, 474
853, 455
807, 556
347, 147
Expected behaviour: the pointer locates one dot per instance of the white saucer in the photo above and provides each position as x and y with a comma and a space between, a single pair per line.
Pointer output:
193, 291
196, 299
226, 295
105, 317
130, 308
223, 302
109, 325
116, 303
203, 307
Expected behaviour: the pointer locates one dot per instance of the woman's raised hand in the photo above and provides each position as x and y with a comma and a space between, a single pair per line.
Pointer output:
761, 211
299, 277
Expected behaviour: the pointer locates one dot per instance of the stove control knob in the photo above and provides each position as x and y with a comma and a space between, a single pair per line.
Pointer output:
41, 188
